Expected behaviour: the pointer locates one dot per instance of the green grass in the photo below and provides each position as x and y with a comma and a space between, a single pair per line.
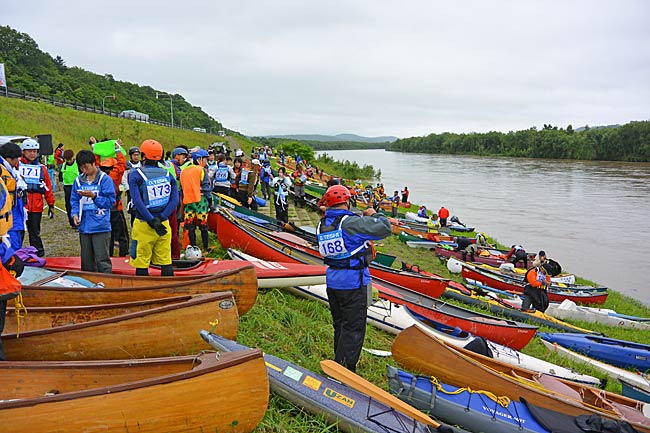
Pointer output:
74, 128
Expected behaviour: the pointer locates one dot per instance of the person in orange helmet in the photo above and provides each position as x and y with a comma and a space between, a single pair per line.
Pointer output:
155, 196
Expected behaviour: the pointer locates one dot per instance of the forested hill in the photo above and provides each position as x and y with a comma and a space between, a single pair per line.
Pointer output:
320, 145
28, 68
629, 142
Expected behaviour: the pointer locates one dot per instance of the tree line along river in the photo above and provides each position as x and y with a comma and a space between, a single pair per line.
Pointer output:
590, 216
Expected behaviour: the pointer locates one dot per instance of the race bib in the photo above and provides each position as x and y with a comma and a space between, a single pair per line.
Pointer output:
87, 203
158, 191
31, 173
331, 245
221, 175
243, 178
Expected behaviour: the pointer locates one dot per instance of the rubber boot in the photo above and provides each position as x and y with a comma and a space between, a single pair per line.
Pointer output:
167, 270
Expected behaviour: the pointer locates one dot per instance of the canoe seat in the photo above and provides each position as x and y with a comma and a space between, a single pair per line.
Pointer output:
553, 384
630, 414
488, 320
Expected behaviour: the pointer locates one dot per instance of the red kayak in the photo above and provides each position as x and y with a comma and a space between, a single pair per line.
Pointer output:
492, 259
282, 247
269, 274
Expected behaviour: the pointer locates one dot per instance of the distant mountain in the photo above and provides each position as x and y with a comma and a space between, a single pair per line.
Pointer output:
582, 128
338, 137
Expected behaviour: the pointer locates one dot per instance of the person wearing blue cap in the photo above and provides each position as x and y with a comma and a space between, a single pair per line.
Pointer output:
197, 197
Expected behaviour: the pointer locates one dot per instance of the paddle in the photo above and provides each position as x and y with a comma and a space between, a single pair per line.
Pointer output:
340, 373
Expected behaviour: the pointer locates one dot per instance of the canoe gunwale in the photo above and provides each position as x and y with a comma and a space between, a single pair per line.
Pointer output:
194, 300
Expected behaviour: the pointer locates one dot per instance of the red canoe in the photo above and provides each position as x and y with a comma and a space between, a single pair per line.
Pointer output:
269, 274
582, 295
269, 246
507, 332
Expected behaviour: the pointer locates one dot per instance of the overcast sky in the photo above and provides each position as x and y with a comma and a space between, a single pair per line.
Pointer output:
370, 67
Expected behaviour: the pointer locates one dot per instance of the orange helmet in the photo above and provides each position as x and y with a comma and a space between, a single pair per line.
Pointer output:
152, 150
108, 162
335, 194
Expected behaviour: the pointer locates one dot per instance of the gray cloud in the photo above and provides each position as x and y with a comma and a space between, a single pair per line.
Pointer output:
369, 67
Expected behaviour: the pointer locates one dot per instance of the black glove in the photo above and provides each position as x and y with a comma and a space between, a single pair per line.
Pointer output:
50, 212
158, 226
15, 266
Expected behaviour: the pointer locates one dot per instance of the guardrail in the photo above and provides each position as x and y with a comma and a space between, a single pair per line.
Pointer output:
37, 97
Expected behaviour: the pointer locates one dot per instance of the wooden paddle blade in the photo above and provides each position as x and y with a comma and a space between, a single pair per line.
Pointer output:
342, 374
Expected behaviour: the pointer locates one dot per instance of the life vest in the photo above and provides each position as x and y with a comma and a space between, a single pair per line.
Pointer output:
34, 175
337, 248
156, 188
6, 219
243, 176
221, 175
10, 183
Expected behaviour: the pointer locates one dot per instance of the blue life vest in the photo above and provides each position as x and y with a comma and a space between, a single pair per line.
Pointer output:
339, 250
156, 188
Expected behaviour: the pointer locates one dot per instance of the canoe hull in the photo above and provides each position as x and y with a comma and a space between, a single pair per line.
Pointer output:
157, 402
241, 281
164, 331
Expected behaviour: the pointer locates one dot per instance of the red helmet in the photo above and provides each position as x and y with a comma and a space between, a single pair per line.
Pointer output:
336, 194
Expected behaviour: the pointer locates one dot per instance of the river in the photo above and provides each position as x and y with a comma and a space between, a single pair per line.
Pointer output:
590, 216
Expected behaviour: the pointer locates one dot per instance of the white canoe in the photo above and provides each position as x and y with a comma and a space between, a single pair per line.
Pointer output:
639, 379
570, 310
273, 272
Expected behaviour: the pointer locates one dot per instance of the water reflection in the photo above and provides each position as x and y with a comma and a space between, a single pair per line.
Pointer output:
590, 216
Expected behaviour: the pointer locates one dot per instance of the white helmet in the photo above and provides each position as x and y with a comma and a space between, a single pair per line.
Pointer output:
192, 253
454, 266
30, 144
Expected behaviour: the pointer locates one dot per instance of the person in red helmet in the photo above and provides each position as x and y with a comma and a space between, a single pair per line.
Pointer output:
344, 241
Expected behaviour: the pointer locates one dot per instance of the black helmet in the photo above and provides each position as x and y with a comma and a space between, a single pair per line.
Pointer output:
133, 150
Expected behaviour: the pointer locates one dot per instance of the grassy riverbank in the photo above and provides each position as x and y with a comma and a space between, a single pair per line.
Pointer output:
282, 324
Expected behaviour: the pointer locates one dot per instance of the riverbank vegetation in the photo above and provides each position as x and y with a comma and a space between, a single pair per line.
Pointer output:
629, 142
319, 145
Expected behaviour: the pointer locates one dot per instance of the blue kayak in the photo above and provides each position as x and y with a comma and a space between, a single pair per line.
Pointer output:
620, 353
474, 411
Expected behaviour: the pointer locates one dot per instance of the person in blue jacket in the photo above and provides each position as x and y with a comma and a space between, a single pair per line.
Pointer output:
155, 196
344, 240
91, 198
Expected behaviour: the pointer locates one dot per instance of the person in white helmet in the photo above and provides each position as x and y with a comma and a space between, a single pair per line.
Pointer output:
39, 185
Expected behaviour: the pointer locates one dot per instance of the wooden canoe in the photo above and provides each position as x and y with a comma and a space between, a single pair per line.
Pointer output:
163, 331
52, 317
417, 351
241, 281
212, 392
